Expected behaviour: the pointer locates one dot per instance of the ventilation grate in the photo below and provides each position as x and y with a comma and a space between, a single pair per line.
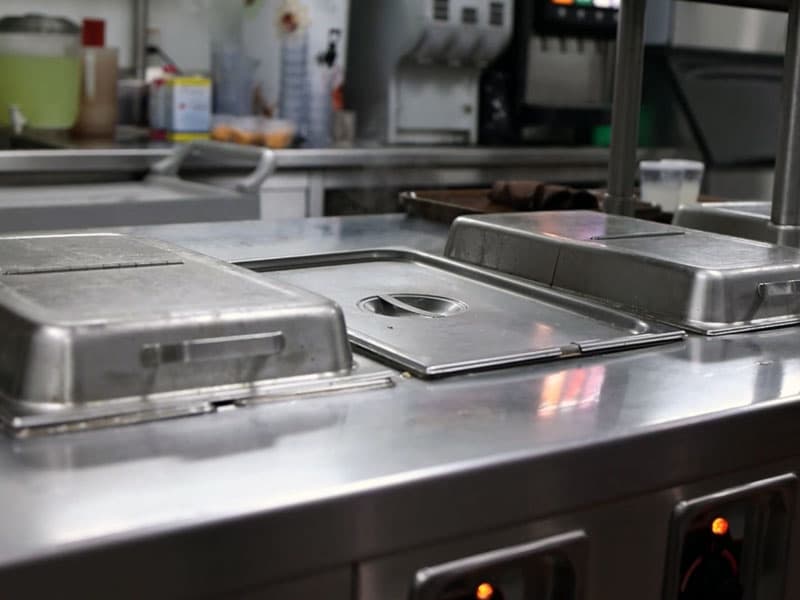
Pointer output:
441, 10
496, 14
469, 15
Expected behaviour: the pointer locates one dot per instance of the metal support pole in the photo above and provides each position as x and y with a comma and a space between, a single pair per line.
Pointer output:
629, 66
786, 191
140, 10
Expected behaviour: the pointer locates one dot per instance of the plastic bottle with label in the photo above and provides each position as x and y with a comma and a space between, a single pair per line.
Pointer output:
97, 116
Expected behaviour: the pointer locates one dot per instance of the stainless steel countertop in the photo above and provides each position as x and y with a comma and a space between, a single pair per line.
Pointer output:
246, 240
271, 491
121, 159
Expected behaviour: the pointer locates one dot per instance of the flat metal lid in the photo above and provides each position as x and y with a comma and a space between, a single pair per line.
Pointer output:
94, 317
58, 253
433, 317
703, 281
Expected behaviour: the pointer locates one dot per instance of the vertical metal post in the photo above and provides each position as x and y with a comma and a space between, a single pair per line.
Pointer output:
626, 106
786, 191
139, 33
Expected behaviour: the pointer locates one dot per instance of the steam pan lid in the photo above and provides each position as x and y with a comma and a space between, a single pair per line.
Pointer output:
91, 317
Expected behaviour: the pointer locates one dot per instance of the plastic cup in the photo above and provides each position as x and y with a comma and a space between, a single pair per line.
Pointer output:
692, 179
669, 183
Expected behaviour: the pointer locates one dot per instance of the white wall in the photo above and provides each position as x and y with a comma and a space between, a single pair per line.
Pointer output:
184, 28
184, 25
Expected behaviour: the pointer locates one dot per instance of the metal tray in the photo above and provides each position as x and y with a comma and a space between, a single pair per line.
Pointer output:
102, 327
161, 197
712, 284
445, 206
433, 316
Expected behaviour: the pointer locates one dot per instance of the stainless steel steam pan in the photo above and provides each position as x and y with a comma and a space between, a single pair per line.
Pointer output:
705, 282
109, 328
433, 316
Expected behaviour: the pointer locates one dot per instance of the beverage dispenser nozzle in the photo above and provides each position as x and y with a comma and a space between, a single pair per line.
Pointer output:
17, 119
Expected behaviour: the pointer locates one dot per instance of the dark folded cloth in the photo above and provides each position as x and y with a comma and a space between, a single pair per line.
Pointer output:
535, 195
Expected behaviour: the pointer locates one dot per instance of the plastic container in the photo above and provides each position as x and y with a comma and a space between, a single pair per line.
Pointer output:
39, 71
278, 134
188, 108
97, 116
246, 130
669, 183
233, 74
295, 95
222, 127
179, 106
158, 102
254, 131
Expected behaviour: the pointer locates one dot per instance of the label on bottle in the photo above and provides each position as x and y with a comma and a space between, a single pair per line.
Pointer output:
89, 75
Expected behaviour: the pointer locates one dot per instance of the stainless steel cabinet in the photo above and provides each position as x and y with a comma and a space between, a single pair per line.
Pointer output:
628, 543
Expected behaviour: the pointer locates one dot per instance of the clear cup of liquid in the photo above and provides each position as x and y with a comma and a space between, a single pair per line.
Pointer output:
669, 183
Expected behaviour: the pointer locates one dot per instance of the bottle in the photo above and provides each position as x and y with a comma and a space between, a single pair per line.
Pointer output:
97, 116
158, 101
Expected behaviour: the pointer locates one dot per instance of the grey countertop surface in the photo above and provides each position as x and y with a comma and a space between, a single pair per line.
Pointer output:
329, 478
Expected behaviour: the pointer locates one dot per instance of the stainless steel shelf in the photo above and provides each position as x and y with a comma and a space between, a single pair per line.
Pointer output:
116, 159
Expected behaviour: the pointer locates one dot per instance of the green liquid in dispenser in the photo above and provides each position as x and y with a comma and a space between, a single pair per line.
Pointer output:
46, 89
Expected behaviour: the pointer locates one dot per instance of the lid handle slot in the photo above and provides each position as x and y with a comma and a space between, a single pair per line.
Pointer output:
775, 289
220, 348
406, 307
635, 235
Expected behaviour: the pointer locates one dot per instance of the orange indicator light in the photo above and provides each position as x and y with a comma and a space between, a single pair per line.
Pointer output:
719, 526
484, 591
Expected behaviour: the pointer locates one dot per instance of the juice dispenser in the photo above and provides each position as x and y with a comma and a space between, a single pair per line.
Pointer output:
39, 71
